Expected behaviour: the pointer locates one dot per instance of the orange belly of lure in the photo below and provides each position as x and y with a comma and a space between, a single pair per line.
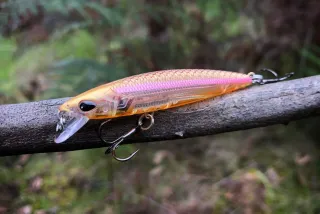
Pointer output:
150, 92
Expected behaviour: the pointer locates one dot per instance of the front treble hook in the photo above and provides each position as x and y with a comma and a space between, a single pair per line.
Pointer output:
257, 78
115, 144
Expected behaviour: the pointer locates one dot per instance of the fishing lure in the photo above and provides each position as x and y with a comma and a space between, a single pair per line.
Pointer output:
146, 93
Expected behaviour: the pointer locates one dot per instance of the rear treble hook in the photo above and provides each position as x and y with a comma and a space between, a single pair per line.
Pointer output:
115, 144
257, 78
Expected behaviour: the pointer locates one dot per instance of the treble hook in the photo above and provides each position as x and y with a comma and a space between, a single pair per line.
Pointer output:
257, 78
115, 144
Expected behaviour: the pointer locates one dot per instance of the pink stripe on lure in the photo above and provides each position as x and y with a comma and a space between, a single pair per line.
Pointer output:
181, 84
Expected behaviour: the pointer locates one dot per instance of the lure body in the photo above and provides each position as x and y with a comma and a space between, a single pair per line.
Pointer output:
158, 90
147, 92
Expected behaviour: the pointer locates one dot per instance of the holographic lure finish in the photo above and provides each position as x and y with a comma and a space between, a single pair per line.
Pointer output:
148, 92
155, 91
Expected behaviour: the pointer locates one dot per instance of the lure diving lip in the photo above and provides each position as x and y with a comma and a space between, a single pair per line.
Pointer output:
71, 128
150, 92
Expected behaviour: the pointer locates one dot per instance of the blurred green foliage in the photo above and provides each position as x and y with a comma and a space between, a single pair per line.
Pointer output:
7, 50
60, 48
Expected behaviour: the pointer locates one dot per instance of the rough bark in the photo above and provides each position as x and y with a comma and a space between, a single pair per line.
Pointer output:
30, 127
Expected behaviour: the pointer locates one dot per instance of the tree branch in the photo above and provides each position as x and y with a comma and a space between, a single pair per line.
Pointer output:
30, 127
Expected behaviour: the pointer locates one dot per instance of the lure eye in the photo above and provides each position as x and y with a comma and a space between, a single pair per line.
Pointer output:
87, 105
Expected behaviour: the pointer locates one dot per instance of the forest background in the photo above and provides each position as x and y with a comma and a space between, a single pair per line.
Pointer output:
60, 48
